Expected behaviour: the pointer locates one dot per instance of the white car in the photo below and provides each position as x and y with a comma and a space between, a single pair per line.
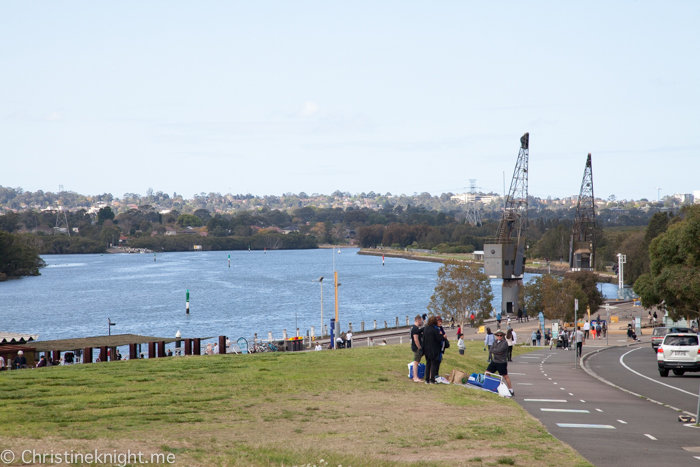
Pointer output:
679, 352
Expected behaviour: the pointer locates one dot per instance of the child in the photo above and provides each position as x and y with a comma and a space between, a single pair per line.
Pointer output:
460, 344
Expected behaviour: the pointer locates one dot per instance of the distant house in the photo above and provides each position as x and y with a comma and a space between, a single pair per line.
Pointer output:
169, 231
479, 255
290, 229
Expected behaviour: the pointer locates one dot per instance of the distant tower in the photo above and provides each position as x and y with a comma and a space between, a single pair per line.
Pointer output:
61, 223
582, 245
473, 214
60, 188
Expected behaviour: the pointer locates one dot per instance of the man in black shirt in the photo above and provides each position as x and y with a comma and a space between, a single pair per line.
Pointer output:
417, 346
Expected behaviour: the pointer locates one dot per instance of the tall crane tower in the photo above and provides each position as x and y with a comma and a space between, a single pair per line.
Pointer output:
582, 244
61, 223
504, 256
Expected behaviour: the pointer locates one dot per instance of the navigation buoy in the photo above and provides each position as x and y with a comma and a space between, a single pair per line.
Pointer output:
229, 261
187, 302
265, 251
154, 257
382, 260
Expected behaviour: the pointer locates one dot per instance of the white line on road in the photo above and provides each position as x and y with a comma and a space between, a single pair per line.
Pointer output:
622, 362
571, 394
524, 384
544, 400
697, 457
555, 382
565, 410
599, 410
623, 422
550, 379
532, 357
518, 374
583, 401
583, 425
650, 437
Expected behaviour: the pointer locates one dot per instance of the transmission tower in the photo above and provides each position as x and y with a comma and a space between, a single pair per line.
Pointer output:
473, 213
61, 223
504, 256
582, 245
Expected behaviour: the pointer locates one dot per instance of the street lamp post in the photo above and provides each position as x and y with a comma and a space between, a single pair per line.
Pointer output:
320, 281
109, 326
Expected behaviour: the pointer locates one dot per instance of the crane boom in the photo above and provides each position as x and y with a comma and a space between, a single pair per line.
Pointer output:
582, 244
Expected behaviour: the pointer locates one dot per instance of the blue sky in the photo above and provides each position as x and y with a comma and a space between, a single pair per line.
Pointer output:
271, 97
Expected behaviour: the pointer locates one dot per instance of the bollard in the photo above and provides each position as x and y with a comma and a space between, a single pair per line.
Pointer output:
397, 322
269, 336
400, 339
369, 344
284, 334
362, 326
407, 321
325, 330
312, 333
375, 324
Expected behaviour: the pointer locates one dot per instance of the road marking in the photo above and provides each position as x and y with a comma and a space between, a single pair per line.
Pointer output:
545, 375
623, 422
650, 437
518, 374
599, 410
531, 357
565, 410
697, 457
583, 401
562, 389
555, 382
524, 384
544, 400
622, 362
583, 425
550, 379
538, 354
571, 394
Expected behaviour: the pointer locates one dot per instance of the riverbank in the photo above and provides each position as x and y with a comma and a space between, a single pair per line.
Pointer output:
557, 268
349, 407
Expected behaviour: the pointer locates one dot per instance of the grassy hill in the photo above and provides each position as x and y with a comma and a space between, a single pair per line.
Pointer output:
349, 407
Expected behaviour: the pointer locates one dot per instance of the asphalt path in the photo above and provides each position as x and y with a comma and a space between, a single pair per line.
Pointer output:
635, 369
609, 427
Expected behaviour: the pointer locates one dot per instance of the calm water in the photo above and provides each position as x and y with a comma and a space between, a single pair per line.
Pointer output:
76, 294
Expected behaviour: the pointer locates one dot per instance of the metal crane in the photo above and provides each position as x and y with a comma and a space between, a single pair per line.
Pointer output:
582, 244
504, 256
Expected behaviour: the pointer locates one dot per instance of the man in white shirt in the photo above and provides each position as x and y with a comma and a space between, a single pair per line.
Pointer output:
2, 363
578, 338
586, 329
318, 346
348, 339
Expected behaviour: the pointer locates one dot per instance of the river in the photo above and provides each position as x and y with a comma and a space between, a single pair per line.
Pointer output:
76, 294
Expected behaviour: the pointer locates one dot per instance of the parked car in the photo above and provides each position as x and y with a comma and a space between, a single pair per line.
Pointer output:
679, 352
658, 334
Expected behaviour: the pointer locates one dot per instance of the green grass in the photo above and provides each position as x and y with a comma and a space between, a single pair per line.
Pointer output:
351, 407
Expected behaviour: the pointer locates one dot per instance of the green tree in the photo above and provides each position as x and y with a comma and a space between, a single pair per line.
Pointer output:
588, 280
674, 277
104, 214
462, 289
554, 296
187, 220
18, 256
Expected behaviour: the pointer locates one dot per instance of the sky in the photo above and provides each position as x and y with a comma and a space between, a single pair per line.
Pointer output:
269, 97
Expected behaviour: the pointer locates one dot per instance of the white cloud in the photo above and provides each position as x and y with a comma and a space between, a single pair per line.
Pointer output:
54, 116
309, 109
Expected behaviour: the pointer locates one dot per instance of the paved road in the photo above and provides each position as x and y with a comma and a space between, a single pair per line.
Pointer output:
607, 426
635, 369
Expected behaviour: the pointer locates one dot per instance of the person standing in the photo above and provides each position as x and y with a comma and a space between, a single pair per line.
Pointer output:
579, 338
500, 359
472, 317
2, 363
599, 330
565, 339
520, 315
488, 342
527, 318
509, 340
445, 344
586, 329
417, 346
651, 318
498, 319
655, 318
605, 329
432, 345
539, 337
460, 344
348, 339
533, 338
20, 360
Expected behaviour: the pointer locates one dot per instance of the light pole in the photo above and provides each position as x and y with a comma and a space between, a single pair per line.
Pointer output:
320, 281
109, 326
621, 260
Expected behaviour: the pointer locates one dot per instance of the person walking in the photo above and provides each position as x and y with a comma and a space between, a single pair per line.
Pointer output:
417, 346
460, 344
586, 329
565, 339
488, 342
533, 338
527, 318
539, 337
599, 330
655, 318
348, 339
605, 329
432, 345
509, 340
498, 319
579, 337
520, 315
651, 318
472, 317
500, 359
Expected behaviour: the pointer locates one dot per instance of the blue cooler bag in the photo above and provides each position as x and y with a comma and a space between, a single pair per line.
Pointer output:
421, 370
476, 379
491, 383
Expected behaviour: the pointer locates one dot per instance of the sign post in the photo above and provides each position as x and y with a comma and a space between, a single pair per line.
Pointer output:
575, 333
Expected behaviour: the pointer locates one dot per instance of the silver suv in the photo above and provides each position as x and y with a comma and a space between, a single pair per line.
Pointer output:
679, 352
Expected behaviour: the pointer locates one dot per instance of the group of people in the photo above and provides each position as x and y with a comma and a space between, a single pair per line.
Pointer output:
597, 329
430, 341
